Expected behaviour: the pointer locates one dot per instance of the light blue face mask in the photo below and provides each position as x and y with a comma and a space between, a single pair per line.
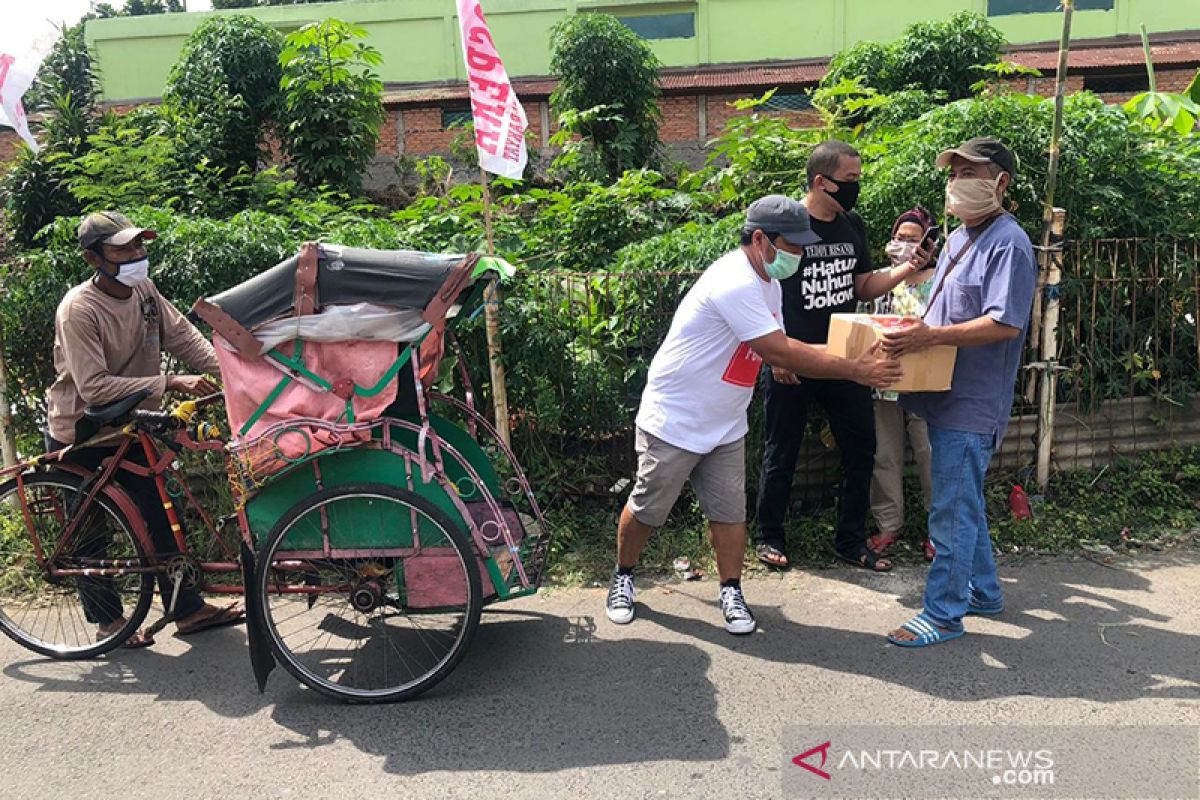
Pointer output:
783, 266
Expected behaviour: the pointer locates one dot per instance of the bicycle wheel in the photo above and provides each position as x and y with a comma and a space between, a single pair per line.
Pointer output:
369, 593
59, 615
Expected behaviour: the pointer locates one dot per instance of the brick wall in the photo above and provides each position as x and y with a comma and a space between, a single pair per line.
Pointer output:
720, 110
423, 131
680, 119
1168, 80
9, 142
1176, 80
417, 130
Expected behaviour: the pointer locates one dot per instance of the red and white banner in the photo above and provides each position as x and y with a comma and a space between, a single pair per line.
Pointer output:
23, 45
500, 121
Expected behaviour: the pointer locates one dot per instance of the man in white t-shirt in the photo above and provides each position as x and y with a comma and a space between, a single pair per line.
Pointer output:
691, 425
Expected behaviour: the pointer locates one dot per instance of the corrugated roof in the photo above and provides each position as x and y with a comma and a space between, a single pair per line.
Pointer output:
760, 76
674, 81
1108, 56
734, 76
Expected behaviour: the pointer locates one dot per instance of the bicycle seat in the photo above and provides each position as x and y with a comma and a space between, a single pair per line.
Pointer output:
110, 413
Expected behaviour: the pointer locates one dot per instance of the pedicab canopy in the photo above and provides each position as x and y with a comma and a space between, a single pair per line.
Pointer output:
331, 278
316, 335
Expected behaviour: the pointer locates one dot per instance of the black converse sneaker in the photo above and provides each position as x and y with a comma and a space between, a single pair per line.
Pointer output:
738, 618
619, 605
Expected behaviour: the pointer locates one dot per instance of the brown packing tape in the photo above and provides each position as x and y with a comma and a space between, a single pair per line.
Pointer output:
927, 371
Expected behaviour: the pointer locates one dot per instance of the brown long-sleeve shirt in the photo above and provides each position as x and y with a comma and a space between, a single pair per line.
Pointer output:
107, 348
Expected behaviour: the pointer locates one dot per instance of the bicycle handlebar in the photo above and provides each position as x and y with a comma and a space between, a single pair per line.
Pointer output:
180, 418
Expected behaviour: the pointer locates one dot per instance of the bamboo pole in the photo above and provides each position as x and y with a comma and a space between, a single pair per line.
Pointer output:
1046, 303
1149, 59
491, 314
8, 439
1060, 83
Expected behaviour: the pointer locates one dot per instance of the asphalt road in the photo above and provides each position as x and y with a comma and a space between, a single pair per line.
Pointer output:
554, 701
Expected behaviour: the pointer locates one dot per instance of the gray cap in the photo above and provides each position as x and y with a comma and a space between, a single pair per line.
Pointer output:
783, 215
109, 227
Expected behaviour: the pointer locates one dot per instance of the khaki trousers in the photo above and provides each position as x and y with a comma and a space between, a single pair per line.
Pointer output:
887, 482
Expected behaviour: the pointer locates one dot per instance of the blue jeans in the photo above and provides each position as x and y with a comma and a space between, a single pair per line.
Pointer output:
964, 569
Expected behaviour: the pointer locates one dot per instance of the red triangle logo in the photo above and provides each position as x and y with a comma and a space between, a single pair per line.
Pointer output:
823, 749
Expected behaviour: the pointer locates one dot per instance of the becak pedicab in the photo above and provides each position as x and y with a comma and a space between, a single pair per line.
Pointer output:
378, 515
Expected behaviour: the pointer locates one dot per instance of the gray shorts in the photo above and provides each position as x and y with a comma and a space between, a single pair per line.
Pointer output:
718, 478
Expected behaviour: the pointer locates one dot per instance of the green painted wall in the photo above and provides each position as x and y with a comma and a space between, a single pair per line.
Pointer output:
419, 38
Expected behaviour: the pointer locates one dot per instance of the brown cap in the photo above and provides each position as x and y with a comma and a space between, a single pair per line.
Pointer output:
109, 227
982, 150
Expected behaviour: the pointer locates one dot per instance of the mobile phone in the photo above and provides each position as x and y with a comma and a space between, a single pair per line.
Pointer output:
932, 235
928, 243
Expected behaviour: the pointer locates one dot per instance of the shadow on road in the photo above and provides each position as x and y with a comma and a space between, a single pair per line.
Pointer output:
1065, 633
534, 693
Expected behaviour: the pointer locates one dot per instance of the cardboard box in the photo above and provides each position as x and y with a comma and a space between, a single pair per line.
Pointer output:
927, 371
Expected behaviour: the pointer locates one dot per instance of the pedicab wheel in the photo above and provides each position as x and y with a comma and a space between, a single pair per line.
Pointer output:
369, 593
57, 615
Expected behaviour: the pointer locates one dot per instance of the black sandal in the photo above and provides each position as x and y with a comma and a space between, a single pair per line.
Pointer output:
772, 556
867, 559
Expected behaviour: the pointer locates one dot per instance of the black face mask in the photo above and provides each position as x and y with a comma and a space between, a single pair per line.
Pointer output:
846, 195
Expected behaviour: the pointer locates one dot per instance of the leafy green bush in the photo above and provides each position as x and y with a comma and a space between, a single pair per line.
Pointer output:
756, 155
608, 82
1114, 180
581, 226
941, 56
867, 62
225, 89
939, 59
686, 248
334, 106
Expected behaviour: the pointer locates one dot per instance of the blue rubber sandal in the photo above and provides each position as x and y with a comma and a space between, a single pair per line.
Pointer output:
926, 632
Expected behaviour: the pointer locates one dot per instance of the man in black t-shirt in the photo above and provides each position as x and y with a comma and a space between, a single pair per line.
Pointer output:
834, 276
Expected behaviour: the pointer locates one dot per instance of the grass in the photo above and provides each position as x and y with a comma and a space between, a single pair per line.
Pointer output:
1150, 502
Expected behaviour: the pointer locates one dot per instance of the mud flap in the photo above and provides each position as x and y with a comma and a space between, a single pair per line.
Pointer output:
262, 660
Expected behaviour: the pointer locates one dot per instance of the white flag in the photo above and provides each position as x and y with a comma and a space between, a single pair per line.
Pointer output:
500, 121
21, 53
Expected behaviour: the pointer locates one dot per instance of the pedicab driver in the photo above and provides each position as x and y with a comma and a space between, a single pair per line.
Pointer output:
691, 424
109, 335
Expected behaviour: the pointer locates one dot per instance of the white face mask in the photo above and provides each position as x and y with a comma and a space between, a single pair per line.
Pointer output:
973, 198
899, 251
131, 273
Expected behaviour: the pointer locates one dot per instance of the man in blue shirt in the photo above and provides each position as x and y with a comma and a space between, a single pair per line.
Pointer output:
982, 296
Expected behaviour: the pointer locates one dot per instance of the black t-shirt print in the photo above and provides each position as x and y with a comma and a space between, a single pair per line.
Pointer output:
824, 284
